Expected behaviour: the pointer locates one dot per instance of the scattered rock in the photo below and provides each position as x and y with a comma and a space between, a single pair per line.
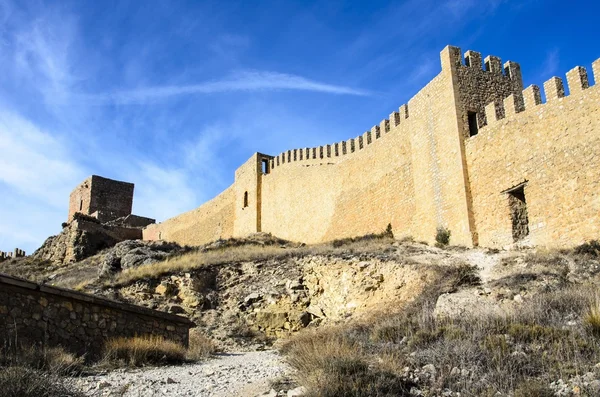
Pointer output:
429, 369
103, 385
518, 298
176, 309
316, 311
252, 298
299, 391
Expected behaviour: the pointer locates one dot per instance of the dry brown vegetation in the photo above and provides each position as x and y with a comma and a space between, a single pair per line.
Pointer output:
200, 346
37, 372
53, 359
143, 350
249, 252
40, 372
555, 336
154, 350
17, 381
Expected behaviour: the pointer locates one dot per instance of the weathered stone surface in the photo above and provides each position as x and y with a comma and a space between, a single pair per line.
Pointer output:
107, 198
468, 303
271, 320
445, 159
78, 240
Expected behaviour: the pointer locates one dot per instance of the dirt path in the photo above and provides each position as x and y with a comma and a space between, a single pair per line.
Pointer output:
231, 374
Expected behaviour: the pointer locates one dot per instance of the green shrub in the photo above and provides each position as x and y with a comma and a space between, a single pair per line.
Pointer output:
442, 236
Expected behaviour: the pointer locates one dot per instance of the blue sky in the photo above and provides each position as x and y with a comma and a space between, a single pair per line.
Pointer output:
174, 96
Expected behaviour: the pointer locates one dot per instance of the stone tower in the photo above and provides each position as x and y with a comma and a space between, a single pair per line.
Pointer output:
102, 198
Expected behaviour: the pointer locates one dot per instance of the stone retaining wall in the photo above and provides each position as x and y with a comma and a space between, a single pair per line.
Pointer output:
31, 313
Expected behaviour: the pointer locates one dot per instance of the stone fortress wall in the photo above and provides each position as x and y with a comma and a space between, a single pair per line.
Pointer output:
17, 253
33, 314
550, 152
471, 152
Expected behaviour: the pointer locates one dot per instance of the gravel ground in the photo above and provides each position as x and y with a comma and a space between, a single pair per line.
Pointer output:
229, 374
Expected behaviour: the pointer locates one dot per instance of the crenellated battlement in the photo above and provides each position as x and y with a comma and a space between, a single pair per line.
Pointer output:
473, 151
531, 98
471, 60
338, 150
17, 253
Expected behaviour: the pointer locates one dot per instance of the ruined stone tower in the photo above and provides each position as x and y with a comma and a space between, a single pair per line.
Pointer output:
102, 198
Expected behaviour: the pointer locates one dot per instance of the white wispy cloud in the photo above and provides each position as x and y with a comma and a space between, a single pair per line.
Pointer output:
35, 162
42, 51
550, 65
161, 192
36, 176
242, 81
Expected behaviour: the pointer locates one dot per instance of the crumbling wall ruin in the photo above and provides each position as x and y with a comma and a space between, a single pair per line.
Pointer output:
102, 198
17, 253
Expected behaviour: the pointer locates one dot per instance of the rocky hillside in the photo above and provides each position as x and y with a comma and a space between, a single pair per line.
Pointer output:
432, 320
248, 292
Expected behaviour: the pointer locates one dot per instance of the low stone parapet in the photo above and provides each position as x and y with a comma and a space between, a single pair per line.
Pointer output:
33, 314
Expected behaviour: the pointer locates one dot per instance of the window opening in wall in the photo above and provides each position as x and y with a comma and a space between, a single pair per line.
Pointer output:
473, 127
265, 166
518, 212
245, 199
80, 205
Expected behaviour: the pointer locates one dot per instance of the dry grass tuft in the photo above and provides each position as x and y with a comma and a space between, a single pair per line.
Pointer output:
17, 381
199, 259
592, 318
53, 359
332, 364
534, 389
228, 253
142, 350
200, 346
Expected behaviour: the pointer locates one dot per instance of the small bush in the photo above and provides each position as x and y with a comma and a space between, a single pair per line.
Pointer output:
463, 275
592, 319
17, 381
241, 329
591, 248
330, 363
533, 389
54, 359
347, 377
200, 346
145, 350
387, 233
442, 236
